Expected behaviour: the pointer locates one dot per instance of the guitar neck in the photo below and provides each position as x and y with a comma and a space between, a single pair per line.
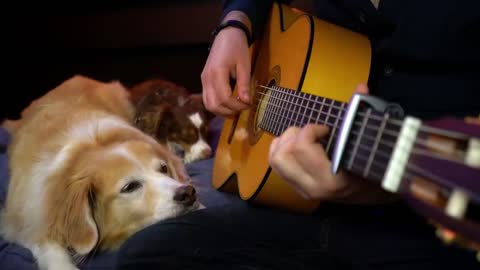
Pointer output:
371, 139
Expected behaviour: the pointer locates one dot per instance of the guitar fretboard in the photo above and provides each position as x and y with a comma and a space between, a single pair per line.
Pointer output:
371, 140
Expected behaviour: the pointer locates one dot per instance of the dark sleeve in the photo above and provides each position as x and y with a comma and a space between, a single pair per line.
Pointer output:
257, 11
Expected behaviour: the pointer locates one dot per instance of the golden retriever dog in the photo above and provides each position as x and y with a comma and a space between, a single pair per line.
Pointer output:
84, 178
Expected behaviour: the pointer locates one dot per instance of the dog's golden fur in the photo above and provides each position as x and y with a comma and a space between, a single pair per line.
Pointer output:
83, 177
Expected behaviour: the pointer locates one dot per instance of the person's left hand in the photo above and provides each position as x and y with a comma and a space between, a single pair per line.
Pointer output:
298, 158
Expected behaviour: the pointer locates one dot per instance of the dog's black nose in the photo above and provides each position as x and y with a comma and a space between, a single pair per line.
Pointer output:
185, 195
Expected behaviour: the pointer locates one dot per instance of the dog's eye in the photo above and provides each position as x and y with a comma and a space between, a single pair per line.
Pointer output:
137, 118
163, 168
131, 187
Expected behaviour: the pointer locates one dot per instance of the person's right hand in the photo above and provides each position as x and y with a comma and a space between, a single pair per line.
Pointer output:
229, 58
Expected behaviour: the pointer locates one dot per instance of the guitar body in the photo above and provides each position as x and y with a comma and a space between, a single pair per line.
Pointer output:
297, 51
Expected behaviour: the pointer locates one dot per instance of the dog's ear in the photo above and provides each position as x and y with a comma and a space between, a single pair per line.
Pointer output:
152, 118
72, 216
177, 169
164, 122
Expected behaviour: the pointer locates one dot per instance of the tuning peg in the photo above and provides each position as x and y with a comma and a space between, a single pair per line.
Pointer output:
449, 237
457, 204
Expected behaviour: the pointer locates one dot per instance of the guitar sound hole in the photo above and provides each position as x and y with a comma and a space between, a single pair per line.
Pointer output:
262, 95
262, 98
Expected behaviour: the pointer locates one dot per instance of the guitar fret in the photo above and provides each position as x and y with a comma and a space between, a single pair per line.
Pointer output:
286, 108
283, 107
357, 142
267, 113
334, 129
320, 110
301, 109
334, 111
272, 107
297, 112
275, 110
280, 118
386, 147
357, 167
375, 146
282, 123
326, 113
311, 105
314, 110
369, 141
307, 110
290, 108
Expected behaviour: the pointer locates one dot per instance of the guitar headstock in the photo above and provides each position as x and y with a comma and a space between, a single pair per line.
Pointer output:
442, 179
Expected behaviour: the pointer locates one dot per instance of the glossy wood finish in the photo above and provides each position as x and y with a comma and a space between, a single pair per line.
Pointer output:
298, 52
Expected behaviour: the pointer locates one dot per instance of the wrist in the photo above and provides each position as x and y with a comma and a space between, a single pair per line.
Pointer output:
238, 16
235, 19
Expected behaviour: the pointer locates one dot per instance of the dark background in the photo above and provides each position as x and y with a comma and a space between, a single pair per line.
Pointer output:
45, 43
108, 40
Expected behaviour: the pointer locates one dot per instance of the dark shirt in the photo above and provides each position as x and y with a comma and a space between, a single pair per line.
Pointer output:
426, 54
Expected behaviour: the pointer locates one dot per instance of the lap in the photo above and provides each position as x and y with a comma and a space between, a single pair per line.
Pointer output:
242, 236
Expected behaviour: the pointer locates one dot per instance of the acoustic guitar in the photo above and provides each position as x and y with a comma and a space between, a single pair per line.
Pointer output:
304, 70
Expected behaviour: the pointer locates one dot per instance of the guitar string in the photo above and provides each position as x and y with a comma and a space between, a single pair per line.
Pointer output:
396, 122
417, 142
424, 128
383, 143
291, 93
417, 151
377, 168
386, 131
321, 112
433, 130
329, 116
411, 170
